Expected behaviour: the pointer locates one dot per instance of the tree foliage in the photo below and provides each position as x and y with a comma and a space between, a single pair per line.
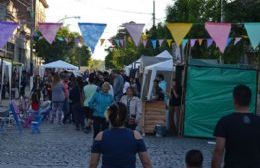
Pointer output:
63, 48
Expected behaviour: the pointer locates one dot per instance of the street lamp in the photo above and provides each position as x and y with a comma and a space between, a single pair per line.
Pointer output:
68, 17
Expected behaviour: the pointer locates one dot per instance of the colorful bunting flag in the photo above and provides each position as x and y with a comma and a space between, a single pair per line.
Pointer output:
154, 42
91, 33
179, 31
6, 31
200, 41
102, 41
144, 43
193, 42
49, 30
122, 42
253, 31
184, 43
117, 42
219, 32
161, 41
209, 42
237, 39
229, 41
135, 31
169, 42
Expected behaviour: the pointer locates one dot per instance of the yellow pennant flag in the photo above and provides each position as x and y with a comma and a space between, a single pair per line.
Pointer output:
169, 41
200, 41
179, 31
102, 41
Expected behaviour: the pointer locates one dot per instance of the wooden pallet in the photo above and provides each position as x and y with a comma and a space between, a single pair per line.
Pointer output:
154, 112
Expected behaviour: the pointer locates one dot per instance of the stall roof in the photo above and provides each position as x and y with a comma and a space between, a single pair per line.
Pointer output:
60, 64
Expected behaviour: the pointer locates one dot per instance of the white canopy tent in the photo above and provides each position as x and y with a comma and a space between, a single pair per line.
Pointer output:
162, 66
58, 65
134, 65
164, 54
6, 69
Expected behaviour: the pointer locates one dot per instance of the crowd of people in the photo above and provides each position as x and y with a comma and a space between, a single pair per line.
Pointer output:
110, 105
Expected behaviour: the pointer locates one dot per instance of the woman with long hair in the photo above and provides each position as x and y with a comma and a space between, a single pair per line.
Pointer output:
58, 97
118, 145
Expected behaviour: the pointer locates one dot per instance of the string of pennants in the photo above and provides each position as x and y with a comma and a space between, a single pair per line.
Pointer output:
170, 42
91, 33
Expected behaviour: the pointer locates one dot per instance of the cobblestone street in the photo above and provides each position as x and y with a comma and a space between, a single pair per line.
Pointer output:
62, 146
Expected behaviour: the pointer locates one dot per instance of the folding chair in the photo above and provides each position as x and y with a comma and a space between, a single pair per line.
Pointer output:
15, 112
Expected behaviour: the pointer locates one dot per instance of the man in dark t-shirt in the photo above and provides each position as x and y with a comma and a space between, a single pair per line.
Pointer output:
238, 134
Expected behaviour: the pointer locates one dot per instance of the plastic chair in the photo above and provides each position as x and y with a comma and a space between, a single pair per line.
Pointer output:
35, 125
16, 117
4, 119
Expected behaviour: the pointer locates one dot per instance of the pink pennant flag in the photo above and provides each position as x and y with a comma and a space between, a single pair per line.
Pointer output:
135, 31
209, 42
219, 32
144, 43
161, 41
49, 30
193, 42
237, 39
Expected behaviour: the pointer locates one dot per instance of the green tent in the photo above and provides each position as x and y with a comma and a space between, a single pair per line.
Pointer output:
209, 97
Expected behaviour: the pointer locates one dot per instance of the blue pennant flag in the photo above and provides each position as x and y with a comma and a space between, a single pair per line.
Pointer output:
91, 33
184, 43
229, 41
154, 43
253, 31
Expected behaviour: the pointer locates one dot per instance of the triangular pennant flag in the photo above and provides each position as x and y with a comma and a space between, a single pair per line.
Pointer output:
200, 41
66, 39
219, 32
229, 41
209, 42
154, 42
102, 41
121, 42
49, 31
161, 41
169, 42
91, 33
135, 31
253, 31
117, 42
184, 43
144, 43
179, 31
237, 39
193, 42
6, 31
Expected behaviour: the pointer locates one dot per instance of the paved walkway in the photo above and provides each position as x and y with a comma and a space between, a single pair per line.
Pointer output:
64, 147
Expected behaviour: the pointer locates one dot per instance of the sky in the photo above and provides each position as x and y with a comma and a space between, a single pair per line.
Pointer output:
111, 12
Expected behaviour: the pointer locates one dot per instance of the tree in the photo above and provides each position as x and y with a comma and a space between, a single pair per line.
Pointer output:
63, 48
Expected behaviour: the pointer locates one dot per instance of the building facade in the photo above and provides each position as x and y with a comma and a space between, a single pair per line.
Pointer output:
28, 13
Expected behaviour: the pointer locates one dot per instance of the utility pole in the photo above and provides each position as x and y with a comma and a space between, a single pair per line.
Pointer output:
153, 13
222, 11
